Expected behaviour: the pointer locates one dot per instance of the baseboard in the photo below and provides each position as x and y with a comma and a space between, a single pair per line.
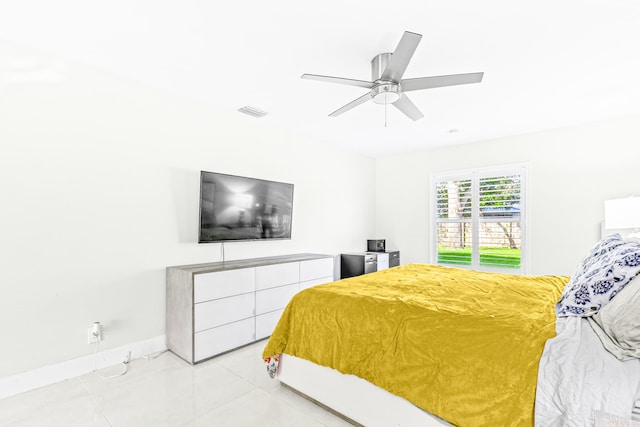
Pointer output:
46, 375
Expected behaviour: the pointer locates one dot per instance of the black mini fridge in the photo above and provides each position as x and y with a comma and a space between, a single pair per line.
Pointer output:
352, 265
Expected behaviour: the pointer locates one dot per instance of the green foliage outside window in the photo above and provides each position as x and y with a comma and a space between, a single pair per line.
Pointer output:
499, 257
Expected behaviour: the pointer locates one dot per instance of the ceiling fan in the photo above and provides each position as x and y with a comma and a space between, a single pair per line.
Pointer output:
387, 85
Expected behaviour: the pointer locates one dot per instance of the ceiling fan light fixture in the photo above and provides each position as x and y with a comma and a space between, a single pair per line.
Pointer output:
385, 93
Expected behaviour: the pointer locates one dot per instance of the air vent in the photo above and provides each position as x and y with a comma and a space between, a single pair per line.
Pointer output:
252, 111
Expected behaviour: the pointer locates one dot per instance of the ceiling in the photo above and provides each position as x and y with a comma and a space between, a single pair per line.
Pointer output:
547, 64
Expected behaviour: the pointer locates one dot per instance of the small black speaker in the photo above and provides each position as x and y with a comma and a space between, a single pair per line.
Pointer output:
375, 246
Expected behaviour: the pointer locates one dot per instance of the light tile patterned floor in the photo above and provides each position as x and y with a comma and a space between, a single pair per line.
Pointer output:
230, 390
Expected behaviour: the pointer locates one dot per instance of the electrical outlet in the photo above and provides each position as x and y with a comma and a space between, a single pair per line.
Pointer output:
94, 333
91, 338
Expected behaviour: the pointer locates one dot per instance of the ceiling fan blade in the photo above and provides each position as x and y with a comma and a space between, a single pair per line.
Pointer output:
401, 56
364, 98
440, 81
405, 105
339, 80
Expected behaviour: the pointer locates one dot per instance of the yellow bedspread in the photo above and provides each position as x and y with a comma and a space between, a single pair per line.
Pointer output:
460, 344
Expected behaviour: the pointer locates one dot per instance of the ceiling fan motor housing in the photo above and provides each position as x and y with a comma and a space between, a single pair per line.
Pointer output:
378, 65
386, 92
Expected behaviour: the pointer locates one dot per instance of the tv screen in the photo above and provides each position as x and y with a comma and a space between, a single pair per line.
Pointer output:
234, 208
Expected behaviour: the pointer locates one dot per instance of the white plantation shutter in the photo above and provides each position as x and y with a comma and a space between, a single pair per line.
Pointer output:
478, 219
454, 216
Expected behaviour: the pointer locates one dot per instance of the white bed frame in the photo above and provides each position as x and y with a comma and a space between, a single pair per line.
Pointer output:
351, 398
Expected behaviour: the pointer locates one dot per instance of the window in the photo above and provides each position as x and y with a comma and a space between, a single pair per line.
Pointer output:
478, 219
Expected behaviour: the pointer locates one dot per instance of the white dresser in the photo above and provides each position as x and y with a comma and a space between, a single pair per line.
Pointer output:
216, 307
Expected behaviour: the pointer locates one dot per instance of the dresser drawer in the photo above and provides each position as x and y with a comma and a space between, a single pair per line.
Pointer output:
266, 323
220, 311
270, 276
223, 338
274, 299
394, 259
221, 284
314, 269
314, 282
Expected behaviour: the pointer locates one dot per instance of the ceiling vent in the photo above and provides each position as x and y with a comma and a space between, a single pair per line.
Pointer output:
252, 111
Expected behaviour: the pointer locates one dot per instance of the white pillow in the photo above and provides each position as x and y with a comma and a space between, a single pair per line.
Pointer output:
617, 324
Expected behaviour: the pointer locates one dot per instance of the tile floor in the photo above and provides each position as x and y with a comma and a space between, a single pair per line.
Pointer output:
230, 390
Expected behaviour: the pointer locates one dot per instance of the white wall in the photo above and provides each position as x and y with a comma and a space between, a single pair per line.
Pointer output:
99, 188
572, 171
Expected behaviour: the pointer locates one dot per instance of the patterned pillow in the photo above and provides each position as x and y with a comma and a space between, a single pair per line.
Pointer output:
604, 272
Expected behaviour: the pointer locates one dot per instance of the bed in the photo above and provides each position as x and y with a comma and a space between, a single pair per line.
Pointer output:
434, 346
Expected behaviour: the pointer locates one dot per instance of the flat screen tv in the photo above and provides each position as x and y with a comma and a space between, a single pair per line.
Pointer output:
236, 208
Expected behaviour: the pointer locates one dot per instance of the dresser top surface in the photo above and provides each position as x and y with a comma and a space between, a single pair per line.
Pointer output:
247, 263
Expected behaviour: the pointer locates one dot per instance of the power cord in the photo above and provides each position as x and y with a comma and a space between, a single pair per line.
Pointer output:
95, 357
154, 356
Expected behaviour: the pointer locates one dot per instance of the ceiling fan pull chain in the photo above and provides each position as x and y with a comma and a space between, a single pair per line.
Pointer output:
385, 114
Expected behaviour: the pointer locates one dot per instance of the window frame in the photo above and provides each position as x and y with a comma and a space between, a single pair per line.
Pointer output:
475, 174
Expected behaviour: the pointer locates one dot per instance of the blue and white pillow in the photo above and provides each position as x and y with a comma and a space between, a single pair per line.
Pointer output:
608, 267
